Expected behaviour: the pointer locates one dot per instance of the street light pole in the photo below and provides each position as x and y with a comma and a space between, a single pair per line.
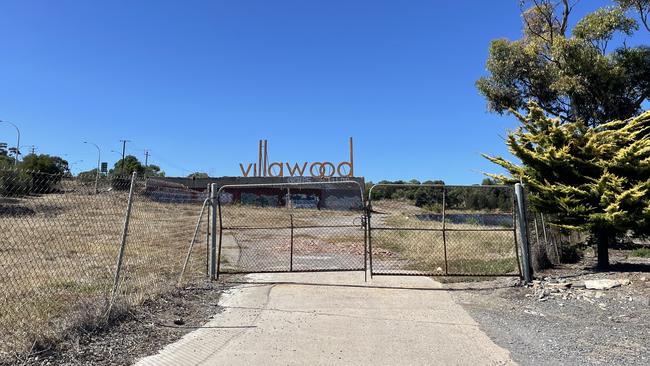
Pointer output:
99, 159
17, 142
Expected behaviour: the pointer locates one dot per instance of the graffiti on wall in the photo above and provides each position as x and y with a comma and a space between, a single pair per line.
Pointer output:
304, 201
225, 197
334, 202
259, 199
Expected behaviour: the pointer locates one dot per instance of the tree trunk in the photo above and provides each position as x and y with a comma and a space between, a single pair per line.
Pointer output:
602, 242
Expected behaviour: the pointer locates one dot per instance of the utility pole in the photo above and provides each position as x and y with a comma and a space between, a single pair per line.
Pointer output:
99, 159
32, 148
146, 162
123, 151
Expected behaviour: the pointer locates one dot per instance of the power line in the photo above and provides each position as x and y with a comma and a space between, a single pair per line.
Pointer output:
161, 159
173, 165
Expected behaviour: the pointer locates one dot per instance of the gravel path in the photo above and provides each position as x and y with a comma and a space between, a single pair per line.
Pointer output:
548, 324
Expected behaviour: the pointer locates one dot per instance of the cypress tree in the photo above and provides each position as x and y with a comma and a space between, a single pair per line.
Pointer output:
593, 178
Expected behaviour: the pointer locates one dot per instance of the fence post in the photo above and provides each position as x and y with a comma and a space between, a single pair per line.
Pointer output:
291, 244
546, 244
189, 250
537, 241
289, 205
364, 225
207, 234
213, 231
368, 210
523, 233
444, 227
120, 257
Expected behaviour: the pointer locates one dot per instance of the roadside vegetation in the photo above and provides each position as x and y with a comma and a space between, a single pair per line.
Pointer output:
428, 195
640, 252
583, 143
59, 253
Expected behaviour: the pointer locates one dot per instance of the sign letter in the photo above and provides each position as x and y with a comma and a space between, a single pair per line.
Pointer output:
245, 172
296, 168
280, 173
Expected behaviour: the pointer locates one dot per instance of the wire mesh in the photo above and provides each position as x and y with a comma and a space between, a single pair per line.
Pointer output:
161, 225
418, 229
59, 241
550, 243
292, 227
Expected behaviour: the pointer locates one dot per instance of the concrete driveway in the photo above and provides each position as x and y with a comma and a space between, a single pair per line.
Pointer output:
335, 319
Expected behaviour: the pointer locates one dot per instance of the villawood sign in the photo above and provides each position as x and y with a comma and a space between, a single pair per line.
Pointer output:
266, 168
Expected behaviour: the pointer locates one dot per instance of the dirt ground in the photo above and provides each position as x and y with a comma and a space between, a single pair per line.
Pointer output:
58, 258
140, 333
556, 320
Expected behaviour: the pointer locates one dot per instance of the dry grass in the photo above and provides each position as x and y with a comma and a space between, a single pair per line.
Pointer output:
469, 250
58, 258
333, 239
275, 217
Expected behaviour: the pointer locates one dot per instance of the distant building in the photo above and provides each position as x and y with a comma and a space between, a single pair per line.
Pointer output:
306, 195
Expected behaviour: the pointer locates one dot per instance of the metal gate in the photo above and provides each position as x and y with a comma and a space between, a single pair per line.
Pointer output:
441, 230
289, 227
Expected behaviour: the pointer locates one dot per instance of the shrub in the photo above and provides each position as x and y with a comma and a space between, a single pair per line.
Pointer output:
640, 252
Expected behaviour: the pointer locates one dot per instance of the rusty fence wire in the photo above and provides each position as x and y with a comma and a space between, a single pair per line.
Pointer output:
292, 227
550, 244
441, 230
59, 242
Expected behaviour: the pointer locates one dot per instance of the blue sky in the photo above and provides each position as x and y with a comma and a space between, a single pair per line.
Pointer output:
199, 82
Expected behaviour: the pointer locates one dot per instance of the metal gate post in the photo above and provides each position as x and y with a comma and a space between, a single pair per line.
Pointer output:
514, 230
523, 233
369, 231
207, 233
220, 237
444, 227
213, 231
291, 245
364, 224
289, 205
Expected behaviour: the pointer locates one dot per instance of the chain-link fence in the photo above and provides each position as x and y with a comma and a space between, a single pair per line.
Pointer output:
547, 242
419, 229
550, 244
292, 227
60, 238
64, 257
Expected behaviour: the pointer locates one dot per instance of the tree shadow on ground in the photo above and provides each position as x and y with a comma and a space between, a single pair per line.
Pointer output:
629, 267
